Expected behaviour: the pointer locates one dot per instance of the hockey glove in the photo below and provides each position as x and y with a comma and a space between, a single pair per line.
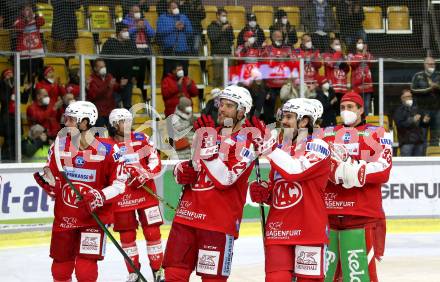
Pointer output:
184, 173
350, 173
259, 191
138, 176
204, 121
264, 141
92, 200
47, 182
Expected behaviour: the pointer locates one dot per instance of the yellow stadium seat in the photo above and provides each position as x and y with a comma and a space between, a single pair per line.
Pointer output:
236, 16
373, 22
4, 64
48, 41
136, 96
104, 36
160, 105
74, 64
100, 18
375, 120
5, 40
433, 151
264, 15
196, 104
45, 11
84, 43
211, 15
398, 20
293, 14
60, 67
159, 71
80, 19
151, 17
119, 15
195, 72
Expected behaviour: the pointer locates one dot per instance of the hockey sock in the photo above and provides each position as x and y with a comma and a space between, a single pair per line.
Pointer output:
354, 255
62, 271
204, 279
279, 276
128, 243
303, 279
177, 274
86, 270
332, 257
154, 246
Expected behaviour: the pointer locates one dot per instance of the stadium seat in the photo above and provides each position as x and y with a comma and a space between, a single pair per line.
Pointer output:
81, 19
136, 96
373, 22
119, 13
74, 64
104, 36
433, 151
45, 11
151, 17
236, 16
196, 104
5, 40
84, 43
159, 71
211, 15
48, 41
4, 64
195, 72
60, 67
160, 105
100, 18
398, 20
375, 120
264, 15
293, 14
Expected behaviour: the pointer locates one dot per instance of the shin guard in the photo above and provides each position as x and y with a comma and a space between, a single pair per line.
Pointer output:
154, 246
86, 270
128, 243
62, 271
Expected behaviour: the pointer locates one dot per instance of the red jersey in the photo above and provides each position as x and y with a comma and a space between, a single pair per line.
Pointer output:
217, 199
53, 89
361, 78
364, 142
312, 63
336, 71
73, 89
29, 42
97, 167
278, 71
298, 178
138, 151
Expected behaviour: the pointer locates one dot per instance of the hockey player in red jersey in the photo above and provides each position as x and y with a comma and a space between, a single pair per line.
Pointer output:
361, 163
297, 226
91, 165
209, 214
143, 164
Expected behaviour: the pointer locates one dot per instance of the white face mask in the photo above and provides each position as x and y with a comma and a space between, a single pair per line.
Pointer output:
51, 80
337, 47
125, 35
430, 70
223, 19
176, 11
360, 46
278, 43
103, 71
348, 117
308, 45
284, 20
189, 110
251, 40
326, 86
137, 15
180, 73
320, 1
253, 24
409, 103
45, 101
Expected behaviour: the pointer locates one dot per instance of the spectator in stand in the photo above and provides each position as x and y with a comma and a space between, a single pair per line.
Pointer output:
121, 69
350, 17
142, 34
336, 68
195, 11
46, 112
128, 4
249, 49
212, 104
290, 89
176, 85
36, 145
64, 26
426, 88
29, 43
282, 24
251, 26
327, 97
10, 11
361, 78
72, 86
312, 58
221, 36
174, 31
317, 17
182, 122
67, 99
101, 86
51, 83
7, 113
280, 71
412, 126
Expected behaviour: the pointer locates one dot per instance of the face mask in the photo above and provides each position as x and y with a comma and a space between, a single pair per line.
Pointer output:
360, 46
179, 73
125, 35
45, 101
430, 70
409, 103
189, 110
308, 45
253, 24
326, 86
284, 21
348, 117
137, 15
320, 1
51, 80
103, 71
223, 19
337, 48
278, 43
251, 40
176, 11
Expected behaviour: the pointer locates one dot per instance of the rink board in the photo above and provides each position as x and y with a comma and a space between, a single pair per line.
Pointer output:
412, 191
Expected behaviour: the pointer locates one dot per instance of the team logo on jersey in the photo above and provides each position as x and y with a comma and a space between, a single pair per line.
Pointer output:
286, 194
79, 161
317, 148
69, 196
347, 137
204, 183
139, 136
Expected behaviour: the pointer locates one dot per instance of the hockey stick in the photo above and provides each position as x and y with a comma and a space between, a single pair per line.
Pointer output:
262, 211
159, 198
93, 214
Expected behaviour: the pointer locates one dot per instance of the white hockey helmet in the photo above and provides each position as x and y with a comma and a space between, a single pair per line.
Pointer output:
120, 114
302, 107
81, 110
319, 109
239, 95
